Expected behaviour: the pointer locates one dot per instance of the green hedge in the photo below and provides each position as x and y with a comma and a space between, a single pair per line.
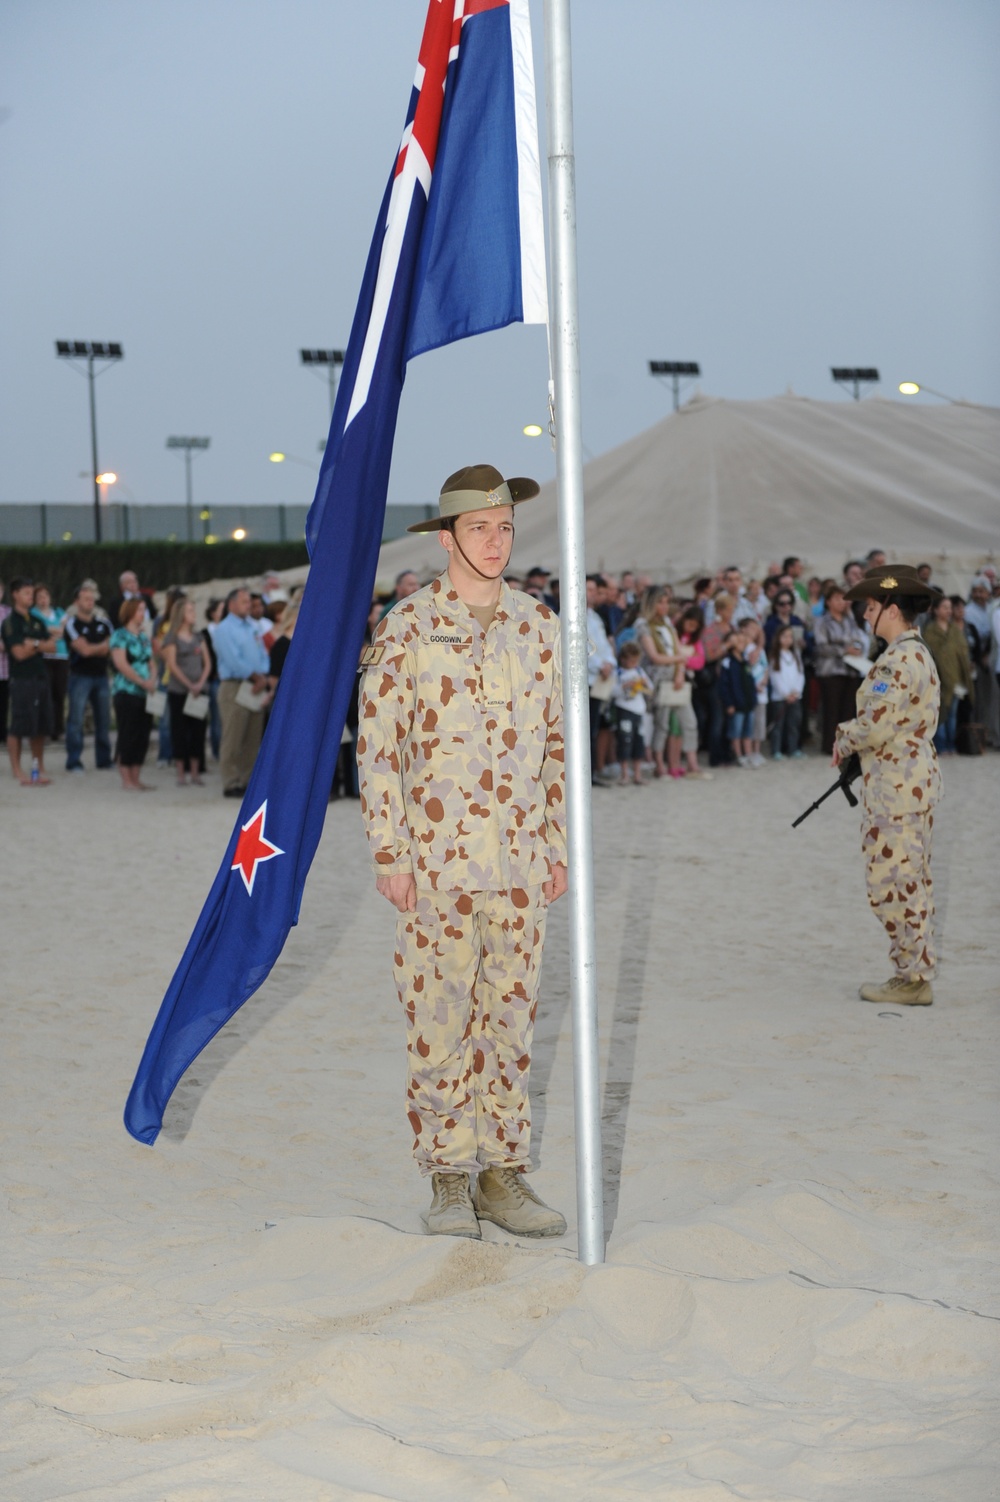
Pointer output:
159, 564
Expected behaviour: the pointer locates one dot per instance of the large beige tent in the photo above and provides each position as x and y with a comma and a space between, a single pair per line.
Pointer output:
747, 482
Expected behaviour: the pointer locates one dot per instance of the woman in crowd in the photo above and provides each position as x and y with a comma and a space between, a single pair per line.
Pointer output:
755, 657
788, 680
278, 650
690, 624
188, 664
57, 662
4, 670
815, 588
950, 652
136, 675
715, 640
836, 635
663, 662
214, 611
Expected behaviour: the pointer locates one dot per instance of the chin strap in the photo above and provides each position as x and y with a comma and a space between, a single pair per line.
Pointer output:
473, 567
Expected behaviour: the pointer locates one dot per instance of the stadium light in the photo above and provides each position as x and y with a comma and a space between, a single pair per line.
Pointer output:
108, 478
912, 388
90, 351
532, 430
325, 362
677, 370
188, 446
239, 533
853, 377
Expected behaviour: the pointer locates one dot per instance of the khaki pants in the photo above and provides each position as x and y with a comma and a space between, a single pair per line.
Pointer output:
241, 733
466, 968
898, 874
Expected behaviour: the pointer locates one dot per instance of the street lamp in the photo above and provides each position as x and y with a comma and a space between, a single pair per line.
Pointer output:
675, 369
187, 445
911, 388
91, 350
278, 457
852, 377
324, 362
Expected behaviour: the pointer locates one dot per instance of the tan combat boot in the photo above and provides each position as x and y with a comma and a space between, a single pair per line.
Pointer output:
451, 1212
503, 1196
900, 992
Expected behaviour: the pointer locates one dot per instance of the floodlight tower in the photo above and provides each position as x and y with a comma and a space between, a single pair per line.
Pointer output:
187, 445
91, 350
326, 361
675, 369
852, 377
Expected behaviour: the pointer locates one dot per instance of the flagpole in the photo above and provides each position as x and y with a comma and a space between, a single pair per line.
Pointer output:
565, 356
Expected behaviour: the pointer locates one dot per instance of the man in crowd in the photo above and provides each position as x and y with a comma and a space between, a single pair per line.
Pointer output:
243, 665
461, 758
128, 589
601, 665
88, 636
406, 585
27, 642
791, 570
536, 583
732, 583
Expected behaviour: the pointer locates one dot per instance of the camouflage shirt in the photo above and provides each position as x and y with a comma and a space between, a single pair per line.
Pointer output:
460, 743
894, 731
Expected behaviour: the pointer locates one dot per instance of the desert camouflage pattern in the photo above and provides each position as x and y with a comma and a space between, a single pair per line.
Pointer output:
466, 969
898, 704
460, 744
898, 876
893, 733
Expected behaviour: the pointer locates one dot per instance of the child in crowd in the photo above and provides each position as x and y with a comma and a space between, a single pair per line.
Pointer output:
787, 683
630, 705
738, 693
756, 660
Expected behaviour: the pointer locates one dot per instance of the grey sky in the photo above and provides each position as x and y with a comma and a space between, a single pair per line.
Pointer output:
768, 187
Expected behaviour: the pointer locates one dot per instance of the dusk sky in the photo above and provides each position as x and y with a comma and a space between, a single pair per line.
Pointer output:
769, 188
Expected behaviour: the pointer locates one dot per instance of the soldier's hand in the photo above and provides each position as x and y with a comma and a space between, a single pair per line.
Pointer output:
400, 890
553, 890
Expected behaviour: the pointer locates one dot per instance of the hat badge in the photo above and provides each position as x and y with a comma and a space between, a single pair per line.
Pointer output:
889, 582
493, 497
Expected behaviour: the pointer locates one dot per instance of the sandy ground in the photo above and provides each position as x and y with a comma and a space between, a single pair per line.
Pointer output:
799, 1300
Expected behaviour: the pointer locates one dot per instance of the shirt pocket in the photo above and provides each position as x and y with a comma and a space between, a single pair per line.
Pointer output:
447, 686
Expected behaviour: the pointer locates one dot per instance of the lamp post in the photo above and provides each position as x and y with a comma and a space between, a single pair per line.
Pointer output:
324, 360
676, 370
187, 445
853, 377
911, 388
91, 351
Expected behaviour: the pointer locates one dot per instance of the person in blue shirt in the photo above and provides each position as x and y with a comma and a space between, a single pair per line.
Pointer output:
242, 659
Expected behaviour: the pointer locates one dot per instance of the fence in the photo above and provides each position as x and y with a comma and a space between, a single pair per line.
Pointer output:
65, 522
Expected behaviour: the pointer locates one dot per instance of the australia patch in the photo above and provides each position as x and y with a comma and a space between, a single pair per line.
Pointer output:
880, 688
372, 655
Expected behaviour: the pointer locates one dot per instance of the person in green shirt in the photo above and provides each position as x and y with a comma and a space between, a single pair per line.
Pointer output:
27, 643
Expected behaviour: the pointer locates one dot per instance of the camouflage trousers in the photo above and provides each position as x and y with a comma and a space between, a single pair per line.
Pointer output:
898, 874
466, 969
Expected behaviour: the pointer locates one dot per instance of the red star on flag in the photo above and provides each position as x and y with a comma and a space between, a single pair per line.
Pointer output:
252, 848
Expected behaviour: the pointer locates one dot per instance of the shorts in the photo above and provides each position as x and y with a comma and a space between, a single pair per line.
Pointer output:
739, 726
30, 708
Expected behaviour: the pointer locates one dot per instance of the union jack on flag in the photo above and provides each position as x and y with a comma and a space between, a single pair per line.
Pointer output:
458, 250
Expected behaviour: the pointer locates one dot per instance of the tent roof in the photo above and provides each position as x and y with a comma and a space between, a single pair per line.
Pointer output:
723, 481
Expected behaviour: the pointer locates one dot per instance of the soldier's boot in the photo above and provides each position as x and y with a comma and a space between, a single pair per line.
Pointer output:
901, 992
451, 1212
504, 1196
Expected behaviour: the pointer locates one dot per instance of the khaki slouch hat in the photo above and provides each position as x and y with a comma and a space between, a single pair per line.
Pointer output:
892, 581
474, 488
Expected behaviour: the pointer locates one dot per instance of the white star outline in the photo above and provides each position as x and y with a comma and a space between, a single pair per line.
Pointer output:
273, 849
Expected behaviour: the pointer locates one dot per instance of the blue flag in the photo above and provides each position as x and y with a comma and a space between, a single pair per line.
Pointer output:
458, 250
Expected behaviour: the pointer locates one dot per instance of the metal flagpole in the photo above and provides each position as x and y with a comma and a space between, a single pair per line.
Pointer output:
565, 339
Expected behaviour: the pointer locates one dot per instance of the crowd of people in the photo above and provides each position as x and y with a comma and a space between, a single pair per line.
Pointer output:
731, 672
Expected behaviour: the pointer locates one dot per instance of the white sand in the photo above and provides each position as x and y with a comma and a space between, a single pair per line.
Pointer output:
799, 1300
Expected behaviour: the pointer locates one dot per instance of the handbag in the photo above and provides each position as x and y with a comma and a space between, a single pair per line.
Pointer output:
603, 688
196, 705
668, 697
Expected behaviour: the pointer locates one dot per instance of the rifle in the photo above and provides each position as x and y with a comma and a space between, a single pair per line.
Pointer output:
850, 771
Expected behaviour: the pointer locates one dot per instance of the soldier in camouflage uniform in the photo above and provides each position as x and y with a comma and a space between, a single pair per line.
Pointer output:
894, 736
461, 759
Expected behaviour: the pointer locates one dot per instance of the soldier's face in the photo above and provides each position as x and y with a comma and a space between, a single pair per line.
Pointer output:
486, 537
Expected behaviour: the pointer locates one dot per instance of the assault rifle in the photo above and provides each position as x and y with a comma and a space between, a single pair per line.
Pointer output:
850, 771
